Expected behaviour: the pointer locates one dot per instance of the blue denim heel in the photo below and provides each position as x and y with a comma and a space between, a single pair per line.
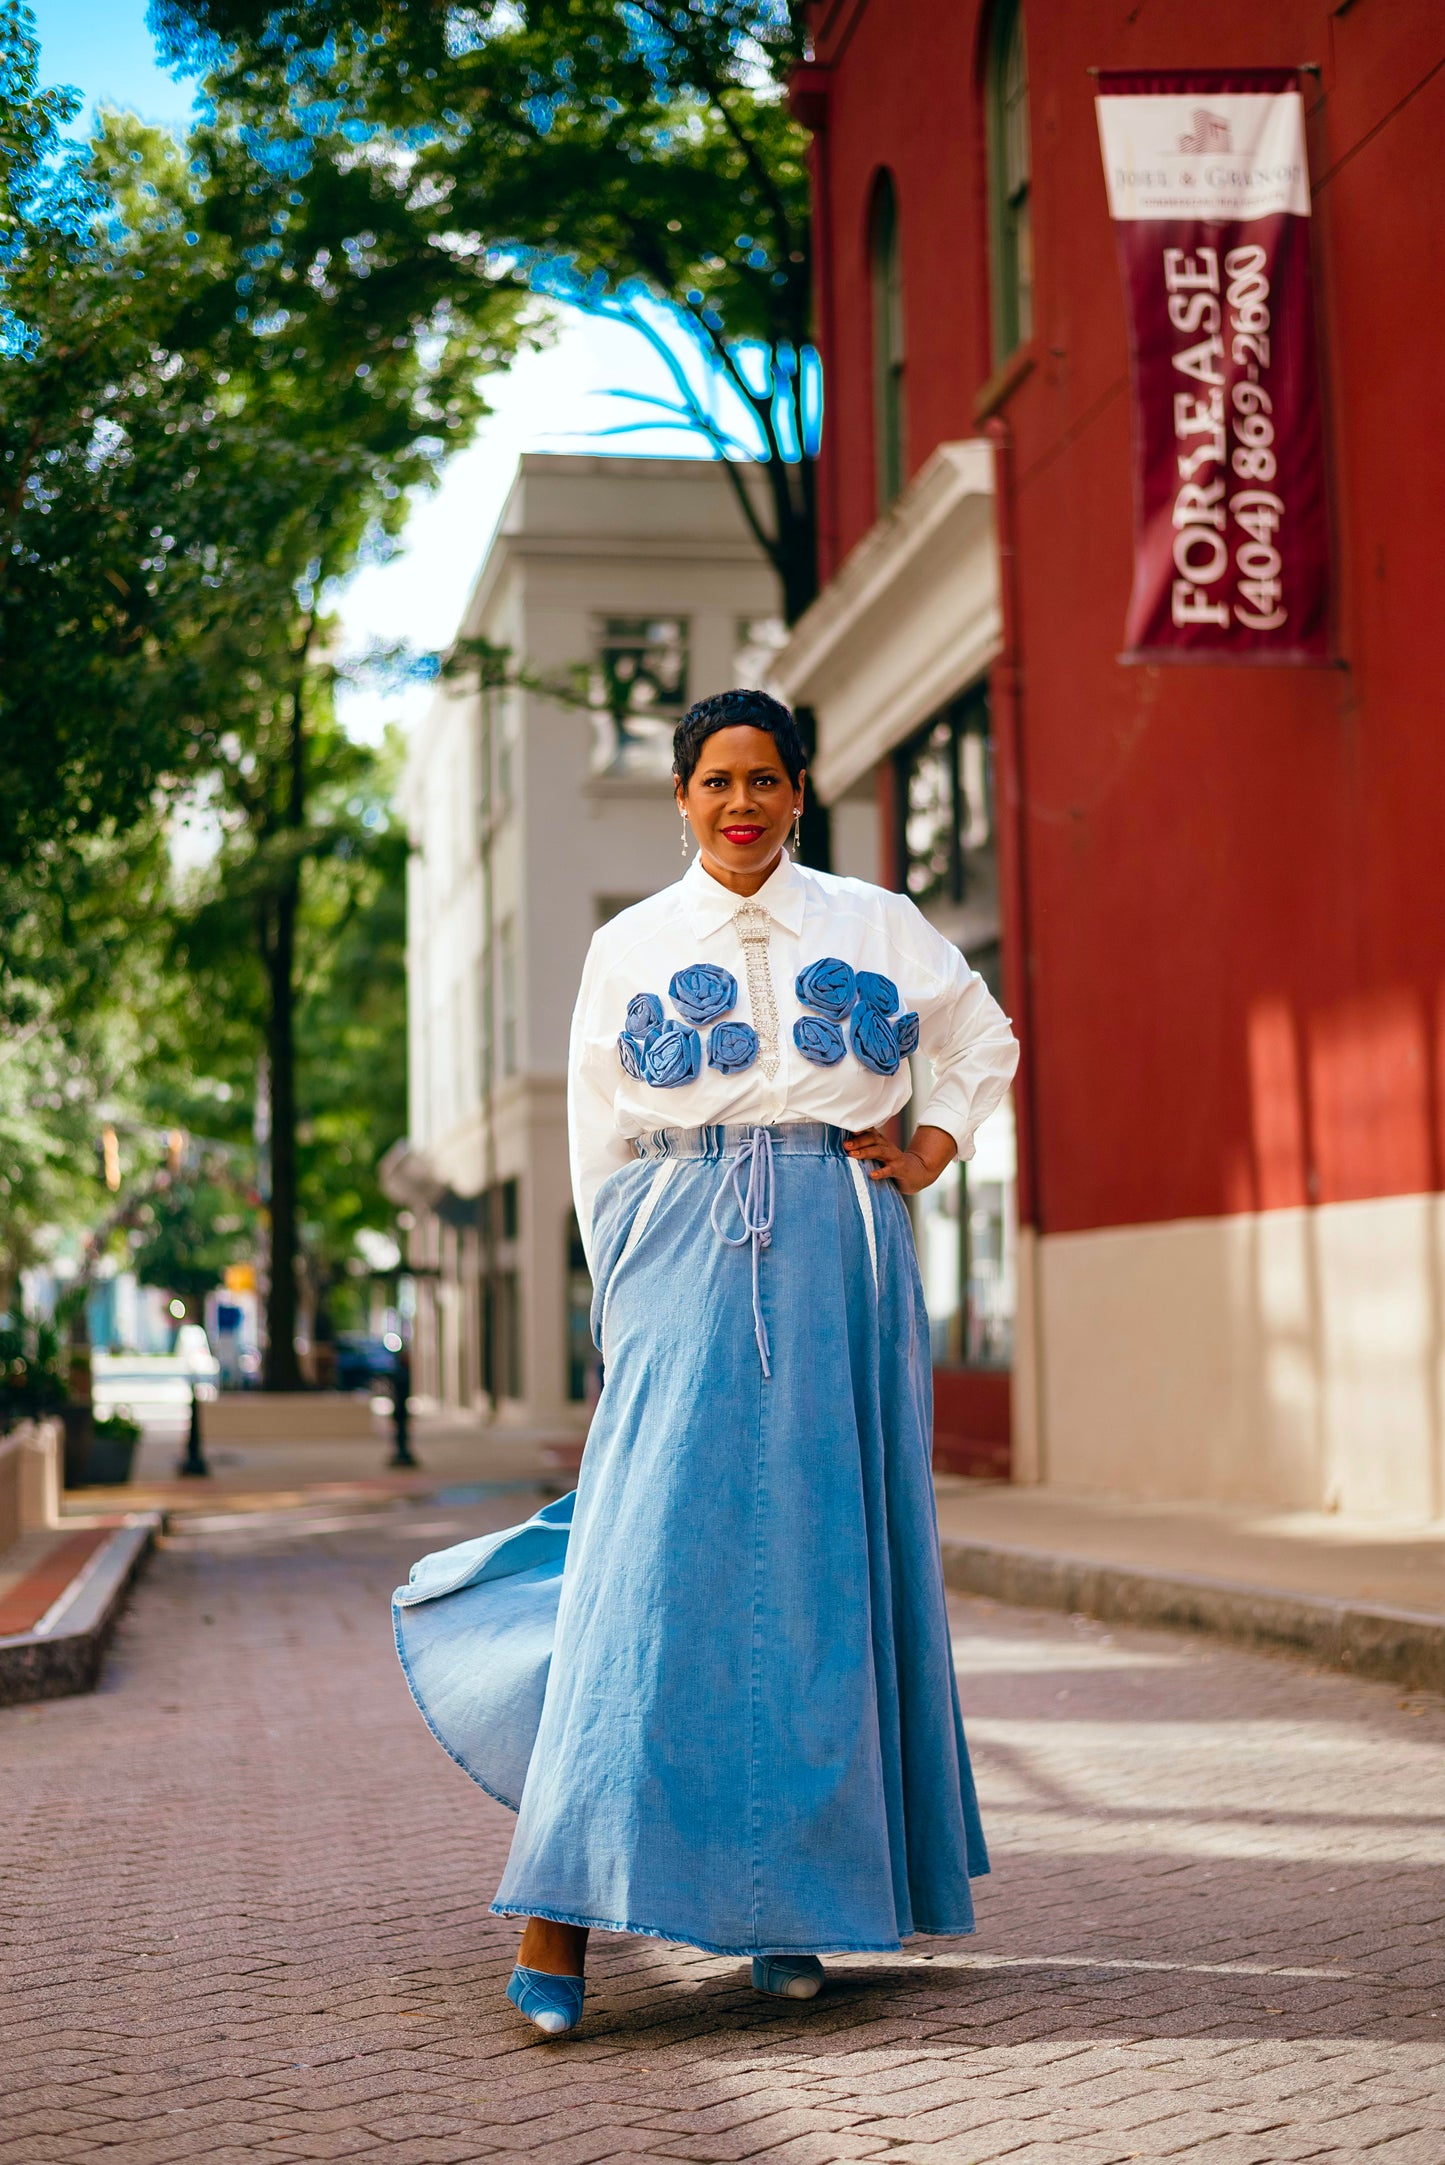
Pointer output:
788, 1977
553, 2003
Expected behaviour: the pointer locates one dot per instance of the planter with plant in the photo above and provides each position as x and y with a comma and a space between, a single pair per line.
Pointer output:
112, 1449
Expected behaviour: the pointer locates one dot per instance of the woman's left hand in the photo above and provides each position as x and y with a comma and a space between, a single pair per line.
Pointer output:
910, 1170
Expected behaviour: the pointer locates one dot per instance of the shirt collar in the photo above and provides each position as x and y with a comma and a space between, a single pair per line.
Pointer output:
710, 905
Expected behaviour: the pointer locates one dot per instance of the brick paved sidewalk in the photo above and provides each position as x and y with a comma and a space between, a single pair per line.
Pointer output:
243, 1900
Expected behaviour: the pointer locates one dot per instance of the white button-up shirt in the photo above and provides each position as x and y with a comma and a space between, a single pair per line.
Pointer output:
797, 917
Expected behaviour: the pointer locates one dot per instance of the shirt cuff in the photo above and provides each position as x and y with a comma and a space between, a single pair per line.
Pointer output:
935, 1115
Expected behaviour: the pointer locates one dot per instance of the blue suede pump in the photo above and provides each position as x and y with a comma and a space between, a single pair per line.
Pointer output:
554, 2004
788, 1977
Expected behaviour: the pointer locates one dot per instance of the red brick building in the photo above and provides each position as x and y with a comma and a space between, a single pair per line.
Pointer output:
1218, 894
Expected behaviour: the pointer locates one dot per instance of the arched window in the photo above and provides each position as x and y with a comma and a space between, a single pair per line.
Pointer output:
888, 410
1010, 222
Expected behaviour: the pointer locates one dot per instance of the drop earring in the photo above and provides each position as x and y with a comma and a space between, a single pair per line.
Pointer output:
797, 830
684, 834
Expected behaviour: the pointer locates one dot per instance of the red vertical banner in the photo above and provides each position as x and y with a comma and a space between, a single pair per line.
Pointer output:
1209, 193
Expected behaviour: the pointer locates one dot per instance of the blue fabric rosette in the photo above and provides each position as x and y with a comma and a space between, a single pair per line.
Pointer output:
874, 1039
819, 1040
829, 985
630, 1052
905, 1029
879, 993
702, 992
671, 1056
732, 1046
644, 1013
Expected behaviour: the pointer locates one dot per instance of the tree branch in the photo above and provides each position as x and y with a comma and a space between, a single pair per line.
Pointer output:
713, 88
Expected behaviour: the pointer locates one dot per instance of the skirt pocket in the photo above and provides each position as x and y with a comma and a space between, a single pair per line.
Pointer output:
615, 1253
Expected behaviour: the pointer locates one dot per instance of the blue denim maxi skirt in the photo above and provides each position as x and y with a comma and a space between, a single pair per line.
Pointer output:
716, 1684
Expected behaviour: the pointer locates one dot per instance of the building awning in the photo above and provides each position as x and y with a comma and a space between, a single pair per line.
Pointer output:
407, 1176
911, 618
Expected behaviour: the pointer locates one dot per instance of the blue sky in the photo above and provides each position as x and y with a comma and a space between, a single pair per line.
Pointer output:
552, 401
102, 48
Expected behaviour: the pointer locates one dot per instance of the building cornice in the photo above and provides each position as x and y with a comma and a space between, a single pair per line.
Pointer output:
512, 539
911, 618
665, 549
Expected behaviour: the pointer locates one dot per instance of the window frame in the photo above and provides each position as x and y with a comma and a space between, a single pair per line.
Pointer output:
1010, 182
890, 343
658, 647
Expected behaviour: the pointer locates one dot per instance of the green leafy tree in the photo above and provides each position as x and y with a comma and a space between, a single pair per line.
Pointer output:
48, 198
175, 468
294, 933
81, 953
188, 1228
352, 1035
597, 152
188, 475
102, 424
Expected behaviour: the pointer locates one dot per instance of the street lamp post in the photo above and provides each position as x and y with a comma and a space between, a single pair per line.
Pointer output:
402, 1455
193, 1465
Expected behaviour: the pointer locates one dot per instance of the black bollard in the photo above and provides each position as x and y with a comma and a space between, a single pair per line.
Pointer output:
194, 1462
400, 1393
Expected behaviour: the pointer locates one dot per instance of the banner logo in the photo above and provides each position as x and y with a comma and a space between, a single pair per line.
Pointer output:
1210, 131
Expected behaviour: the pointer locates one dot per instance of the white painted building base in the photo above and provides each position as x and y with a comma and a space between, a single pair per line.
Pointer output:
1293, 1358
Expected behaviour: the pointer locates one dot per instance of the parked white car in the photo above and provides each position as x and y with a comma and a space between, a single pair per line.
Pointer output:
156, 1387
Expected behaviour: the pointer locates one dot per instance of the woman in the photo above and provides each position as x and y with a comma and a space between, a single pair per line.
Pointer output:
731, 1720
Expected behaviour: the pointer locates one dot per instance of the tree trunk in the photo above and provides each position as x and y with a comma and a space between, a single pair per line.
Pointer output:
795, 559
282, 1371
795, 527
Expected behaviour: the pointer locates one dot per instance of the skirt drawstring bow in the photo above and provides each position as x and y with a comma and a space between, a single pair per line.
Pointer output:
755, 1208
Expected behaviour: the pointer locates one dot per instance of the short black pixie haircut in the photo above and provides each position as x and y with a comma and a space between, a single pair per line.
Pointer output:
736, 710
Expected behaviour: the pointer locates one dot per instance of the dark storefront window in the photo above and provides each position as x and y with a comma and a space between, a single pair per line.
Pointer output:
498, 1214
945, 843
947, 862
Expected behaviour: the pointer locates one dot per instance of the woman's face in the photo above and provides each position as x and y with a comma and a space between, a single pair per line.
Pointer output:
740, 801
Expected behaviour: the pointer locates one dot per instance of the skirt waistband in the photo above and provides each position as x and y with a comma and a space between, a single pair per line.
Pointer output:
796, 1138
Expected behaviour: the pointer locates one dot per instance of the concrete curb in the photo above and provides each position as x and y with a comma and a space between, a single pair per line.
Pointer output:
63, 1653
1398, 1646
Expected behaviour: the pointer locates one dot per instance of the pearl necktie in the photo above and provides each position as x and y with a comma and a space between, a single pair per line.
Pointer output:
752, 928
